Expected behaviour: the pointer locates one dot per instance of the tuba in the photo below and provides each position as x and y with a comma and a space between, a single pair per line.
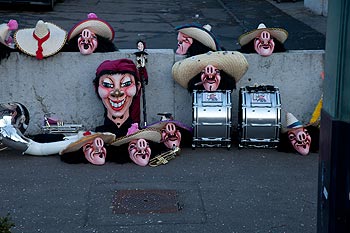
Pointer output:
164, 158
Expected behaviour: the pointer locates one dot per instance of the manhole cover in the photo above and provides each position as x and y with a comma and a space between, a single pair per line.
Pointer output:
145, 201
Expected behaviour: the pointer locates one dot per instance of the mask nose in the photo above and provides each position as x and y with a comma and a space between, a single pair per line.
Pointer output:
265, 37
116, 93
141, 145
98, 144
210, 71
170, 128
301, 136
86, 35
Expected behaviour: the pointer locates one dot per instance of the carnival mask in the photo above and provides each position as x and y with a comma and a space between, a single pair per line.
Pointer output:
139, 151
95, 152
171, 136
300, 139
87, 42
264, 44
117, 92
183, 43
210, 78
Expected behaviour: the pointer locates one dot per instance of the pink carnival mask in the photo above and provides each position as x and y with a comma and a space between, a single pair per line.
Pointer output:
139, 151
171, 136
210, 78
264, 44
183, 43
87, 42
300, 139
117, 92
95, 152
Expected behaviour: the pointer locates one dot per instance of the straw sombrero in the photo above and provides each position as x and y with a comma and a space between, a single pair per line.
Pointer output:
5, 33
107, 138
45, 40
160, 125
277, 33
150, 134
98, 26
232, 62
202, 34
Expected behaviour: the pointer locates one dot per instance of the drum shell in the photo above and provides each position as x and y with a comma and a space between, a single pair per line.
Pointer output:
211, 119
259, 116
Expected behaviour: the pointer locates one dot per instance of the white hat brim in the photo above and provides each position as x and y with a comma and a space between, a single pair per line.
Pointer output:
25, 41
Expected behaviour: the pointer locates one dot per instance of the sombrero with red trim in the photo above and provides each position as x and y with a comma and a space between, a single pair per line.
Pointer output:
93, 23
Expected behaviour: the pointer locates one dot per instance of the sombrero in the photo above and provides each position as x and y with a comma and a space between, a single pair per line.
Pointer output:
151, 134
277, 33
107, 138
232, 62
5, 33
160, 125
98, 26
201, 33
44, 40
292, 123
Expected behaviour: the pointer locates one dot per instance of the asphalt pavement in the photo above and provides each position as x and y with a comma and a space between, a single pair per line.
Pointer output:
202, 190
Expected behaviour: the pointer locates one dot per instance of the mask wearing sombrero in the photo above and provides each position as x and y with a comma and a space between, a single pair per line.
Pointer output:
263, 40
7, 44
295, 136
220, 70
138, 144
45, 40
174, 133
92, 35
194, 39
89, 148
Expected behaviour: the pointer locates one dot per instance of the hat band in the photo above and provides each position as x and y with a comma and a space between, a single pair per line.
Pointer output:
39, 51
297, 123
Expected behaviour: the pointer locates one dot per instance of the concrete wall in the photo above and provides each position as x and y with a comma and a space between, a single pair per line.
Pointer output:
319, 7
62, 84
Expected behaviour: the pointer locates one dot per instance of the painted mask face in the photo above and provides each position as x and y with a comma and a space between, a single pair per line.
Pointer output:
264, 44
300, 139
171, 136
139, 151
95, 152
211, 78
117, 92
183, 43
87, 42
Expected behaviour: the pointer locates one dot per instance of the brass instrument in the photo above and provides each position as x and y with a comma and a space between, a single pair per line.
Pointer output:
164, 158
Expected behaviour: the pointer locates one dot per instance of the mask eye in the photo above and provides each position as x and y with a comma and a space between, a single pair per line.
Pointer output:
107, 83
291, 136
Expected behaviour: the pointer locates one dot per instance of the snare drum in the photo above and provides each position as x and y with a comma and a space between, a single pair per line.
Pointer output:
259, 120
212, 113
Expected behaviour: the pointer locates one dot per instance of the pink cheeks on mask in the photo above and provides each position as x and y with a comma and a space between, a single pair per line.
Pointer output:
87, 42
264, 44
183, 43
171, 136
139, 152
300, 140
95, 152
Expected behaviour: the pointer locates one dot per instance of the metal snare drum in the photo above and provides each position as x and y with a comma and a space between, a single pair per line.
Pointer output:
259, 120
212, 113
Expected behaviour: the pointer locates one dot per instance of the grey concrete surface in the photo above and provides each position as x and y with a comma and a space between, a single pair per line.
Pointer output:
219, 190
